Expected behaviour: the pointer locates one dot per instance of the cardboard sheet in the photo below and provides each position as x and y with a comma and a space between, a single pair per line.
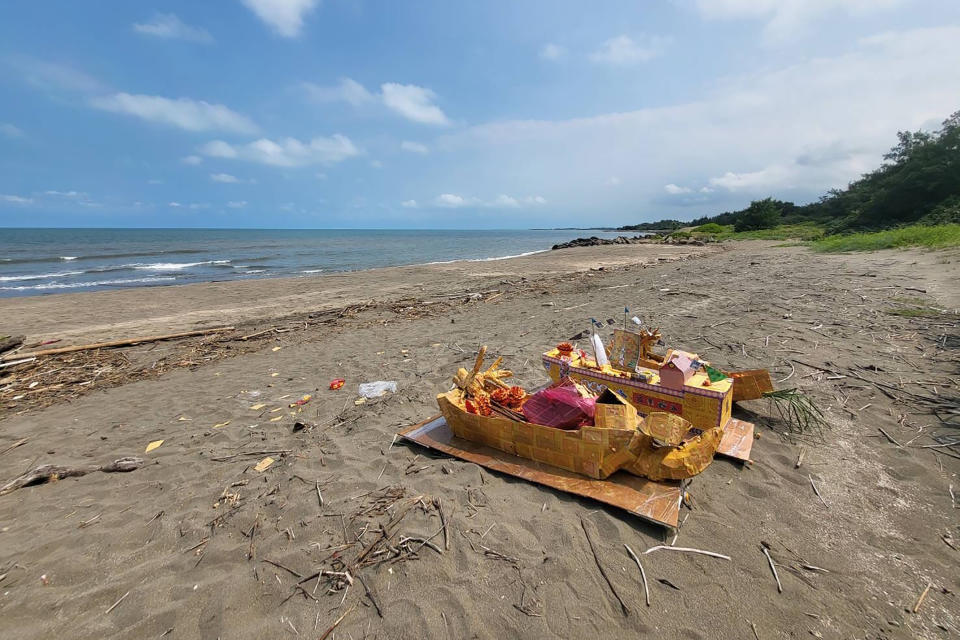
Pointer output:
657, 502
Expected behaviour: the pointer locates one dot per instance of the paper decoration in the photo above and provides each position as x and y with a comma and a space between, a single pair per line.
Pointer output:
153, 445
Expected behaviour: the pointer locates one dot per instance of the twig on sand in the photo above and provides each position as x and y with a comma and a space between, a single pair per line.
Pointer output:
596, 558
803, 451
337, 622
923, 595
688, 550
953, 498
643, 574
890, 438
114, 605
319, 495
817, 491
763, 547
754, 627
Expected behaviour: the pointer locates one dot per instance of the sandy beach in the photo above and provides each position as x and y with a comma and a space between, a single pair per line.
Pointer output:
198, 544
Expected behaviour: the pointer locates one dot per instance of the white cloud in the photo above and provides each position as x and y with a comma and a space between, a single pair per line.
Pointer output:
414, 147
736, 127
15, 199
349, 90
154, 181
450, 200
184, 113
224, 177
552, 51
65, 194
673, 189
787, 19
192, 159
10, 130
504, 200
286, 152
612, 181
168, 25
53, 76
413, 103
237, 204
283, 16
174, 205
535, 200
216, 149
409, 204
624, 50
376, 164
321, 176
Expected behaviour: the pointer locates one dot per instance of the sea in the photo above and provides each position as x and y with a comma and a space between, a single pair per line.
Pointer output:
46, 261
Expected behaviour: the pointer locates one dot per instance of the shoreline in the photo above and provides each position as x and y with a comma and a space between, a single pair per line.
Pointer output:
92, 315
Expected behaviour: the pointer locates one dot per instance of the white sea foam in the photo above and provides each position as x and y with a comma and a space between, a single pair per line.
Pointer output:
517, 255
82, 285
174, 266
311, 271
40, 276
68, 258
253, 271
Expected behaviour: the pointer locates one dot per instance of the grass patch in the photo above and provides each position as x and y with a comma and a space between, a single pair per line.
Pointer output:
931, 237
801, 231
913, 308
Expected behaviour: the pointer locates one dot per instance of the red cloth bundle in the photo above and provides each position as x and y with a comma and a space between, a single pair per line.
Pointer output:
560, 405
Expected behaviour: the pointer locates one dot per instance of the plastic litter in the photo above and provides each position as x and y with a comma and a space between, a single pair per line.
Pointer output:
337, 383
378, 388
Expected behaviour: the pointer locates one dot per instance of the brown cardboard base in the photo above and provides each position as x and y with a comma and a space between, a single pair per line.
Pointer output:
657, 502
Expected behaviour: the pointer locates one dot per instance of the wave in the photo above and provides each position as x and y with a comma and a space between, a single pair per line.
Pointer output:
311, 271
41, 276
516, 255
175, 266
68, 258
102, 256
82, 285
252, 271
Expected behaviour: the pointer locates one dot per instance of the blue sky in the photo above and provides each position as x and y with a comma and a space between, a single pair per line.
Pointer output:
435, 114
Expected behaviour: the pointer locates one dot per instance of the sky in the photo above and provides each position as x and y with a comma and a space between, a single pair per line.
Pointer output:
438, 114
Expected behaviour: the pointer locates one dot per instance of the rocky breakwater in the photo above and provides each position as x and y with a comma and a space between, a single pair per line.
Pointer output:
594, 241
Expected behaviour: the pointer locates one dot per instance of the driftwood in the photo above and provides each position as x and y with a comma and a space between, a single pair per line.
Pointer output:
116, 343
596, 559
47, 472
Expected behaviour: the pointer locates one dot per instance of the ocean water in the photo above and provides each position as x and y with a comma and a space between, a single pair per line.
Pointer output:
45, 261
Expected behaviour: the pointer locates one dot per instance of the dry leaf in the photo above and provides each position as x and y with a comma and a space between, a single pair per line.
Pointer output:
274, 375
277, 409
258, 406
276, 349
220, 425
276, 419
184, 419
263, 464
153, 445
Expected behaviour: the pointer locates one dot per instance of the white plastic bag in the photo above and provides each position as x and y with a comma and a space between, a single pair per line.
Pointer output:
378, 388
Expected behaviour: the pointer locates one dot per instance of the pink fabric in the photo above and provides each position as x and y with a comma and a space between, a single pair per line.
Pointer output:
560, 405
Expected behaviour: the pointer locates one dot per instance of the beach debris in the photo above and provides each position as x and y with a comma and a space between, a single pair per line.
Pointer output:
923, 595
118, 343
643, 574
264, 464
686, 550
23, 441
764, 547
276, 349
337, 383
258, 406
10, 342
378, 388
153, 445
221, 425
817, 491
302, 401
603, 572
114, 605
52, 473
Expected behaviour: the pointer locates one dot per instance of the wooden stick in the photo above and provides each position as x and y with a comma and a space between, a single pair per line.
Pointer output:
923, 595
888, 437
327, 633
117, 343
643, 574
596, 558
13, 446
688, 550
114, 605
763, 547
803, 450
817, 491
258, 333
15, 362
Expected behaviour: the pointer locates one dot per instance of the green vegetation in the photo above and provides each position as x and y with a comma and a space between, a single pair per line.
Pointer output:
932, 237
913, 308
911, 200
661, 225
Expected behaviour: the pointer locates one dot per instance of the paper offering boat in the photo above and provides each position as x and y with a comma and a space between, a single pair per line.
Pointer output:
677, 382
484, 409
